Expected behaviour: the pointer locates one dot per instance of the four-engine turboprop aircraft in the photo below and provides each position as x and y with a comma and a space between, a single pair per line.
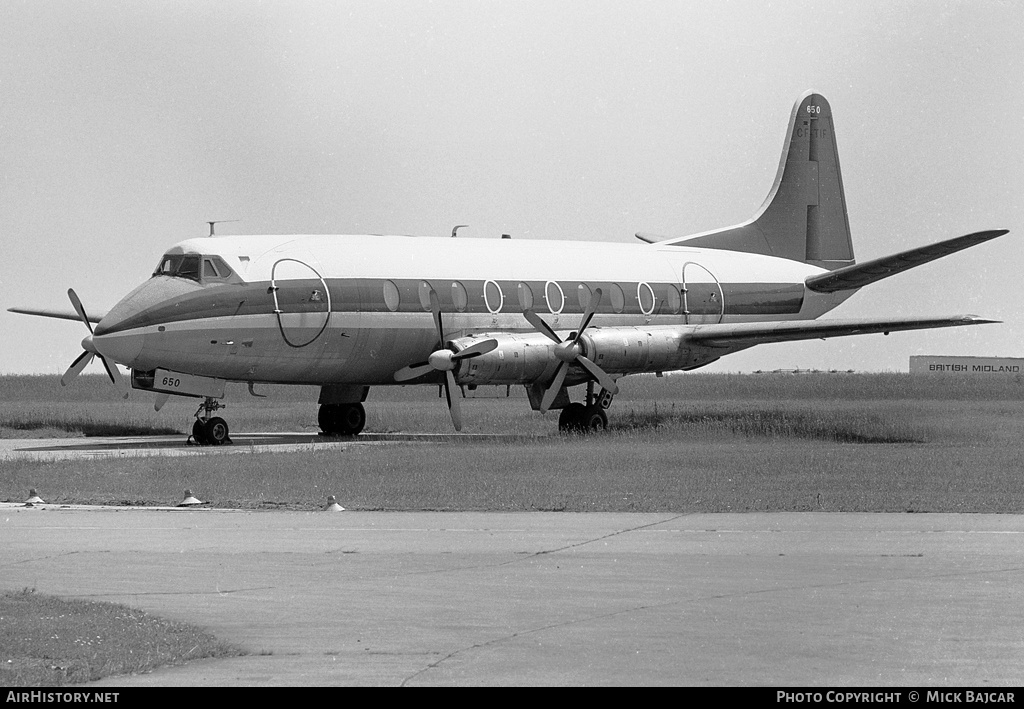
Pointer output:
351, 312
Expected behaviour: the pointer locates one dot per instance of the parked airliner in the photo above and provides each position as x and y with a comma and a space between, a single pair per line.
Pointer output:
350, 312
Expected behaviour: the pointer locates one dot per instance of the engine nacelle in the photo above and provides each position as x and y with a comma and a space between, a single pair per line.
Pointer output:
529, 358
518, 359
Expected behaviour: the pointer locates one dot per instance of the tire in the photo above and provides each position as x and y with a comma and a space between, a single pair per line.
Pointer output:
352, 419
341, 419
199, 433
216, 431
571, 418
594, 419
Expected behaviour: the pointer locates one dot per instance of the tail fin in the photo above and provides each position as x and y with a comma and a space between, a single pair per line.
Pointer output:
804, 216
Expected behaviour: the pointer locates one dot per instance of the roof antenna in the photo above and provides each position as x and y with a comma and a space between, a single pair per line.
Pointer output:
220, 221
456, 228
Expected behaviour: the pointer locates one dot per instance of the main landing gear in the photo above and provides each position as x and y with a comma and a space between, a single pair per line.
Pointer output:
341, 419
210, 430
586, 417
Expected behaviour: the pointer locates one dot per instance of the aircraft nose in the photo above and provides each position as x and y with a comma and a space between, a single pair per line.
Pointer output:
122, 347
121, 334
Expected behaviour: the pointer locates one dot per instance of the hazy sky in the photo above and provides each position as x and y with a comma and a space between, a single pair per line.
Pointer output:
125, 125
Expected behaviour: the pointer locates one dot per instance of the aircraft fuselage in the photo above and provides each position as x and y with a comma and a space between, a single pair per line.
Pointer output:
355, 309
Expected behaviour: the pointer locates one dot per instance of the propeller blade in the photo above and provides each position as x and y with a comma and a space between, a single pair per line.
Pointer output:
76, 367
453, 402
476, 349
435, 309
595, 301
115, 377
599, 374
554, 388
412, 371
542, 326
77, 303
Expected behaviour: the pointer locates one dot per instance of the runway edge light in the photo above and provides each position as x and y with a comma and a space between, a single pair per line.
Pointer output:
332, 505
189, 500
33, 498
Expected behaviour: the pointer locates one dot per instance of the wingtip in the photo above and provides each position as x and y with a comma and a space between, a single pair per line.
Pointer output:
979, 320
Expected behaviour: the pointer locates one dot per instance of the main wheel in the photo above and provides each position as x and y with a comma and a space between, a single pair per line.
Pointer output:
571, 418
341, 419
216, 430
594, 419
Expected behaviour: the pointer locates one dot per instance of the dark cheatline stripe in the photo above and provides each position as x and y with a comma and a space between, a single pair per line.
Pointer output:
410, 296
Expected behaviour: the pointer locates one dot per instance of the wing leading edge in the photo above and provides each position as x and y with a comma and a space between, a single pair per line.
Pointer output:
742, 335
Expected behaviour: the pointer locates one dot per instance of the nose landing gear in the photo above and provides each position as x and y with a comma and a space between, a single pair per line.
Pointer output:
210, 430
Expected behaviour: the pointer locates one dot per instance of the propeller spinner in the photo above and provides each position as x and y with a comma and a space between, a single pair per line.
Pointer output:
90, 351
570, 351
445, 360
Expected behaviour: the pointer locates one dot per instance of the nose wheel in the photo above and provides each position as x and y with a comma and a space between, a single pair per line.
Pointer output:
210, 430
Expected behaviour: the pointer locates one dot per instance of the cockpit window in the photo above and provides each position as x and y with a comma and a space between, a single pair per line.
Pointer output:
214, 269
179, 266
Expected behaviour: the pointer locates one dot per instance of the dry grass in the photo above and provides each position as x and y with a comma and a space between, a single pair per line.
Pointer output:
889, 442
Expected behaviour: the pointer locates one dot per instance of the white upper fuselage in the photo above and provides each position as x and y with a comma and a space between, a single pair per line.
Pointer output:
356, 308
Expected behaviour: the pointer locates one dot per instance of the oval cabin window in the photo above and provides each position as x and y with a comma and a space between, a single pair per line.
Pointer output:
583, 294
645, 296
424, 292
493, 297
555, 297
460, 299
618, 298
525, 296
392, 299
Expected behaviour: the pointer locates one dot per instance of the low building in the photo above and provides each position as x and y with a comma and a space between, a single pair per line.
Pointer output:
981, 366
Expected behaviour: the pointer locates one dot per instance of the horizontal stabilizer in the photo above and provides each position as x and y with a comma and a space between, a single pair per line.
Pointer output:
649, 238
59, 314
862, 274
740, 335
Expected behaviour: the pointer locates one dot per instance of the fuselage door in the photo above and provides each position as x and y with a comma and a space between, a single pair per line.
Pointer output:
302, 301
703, 298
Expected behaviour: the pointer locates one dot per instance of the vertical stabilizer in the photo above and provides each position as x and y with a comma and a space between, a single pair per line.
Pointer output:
804, 216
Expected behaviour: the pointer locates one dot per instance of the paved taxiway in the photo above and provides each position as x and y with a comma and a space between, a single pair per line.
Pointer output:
368, 598
178, 444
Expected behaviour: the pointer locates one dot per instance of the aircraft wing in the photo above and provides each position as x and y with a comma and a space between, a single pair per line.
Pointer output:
740, 335
59, 314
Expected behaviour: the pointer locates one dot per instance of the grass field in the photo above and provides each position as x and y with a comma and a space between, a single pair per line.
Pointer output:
688, 443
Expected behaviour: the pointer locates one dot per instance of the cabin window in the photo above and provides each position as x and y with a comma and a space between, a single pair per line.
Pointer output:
392, 298
618, 298
460, 299
645, 296
493, 297
525, 296
555, 297
583, 294
424, 292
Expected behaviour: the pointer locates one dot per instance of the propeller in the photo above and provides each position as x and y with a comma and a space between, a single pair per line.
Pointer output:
445, 360
90, 351
570, 351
